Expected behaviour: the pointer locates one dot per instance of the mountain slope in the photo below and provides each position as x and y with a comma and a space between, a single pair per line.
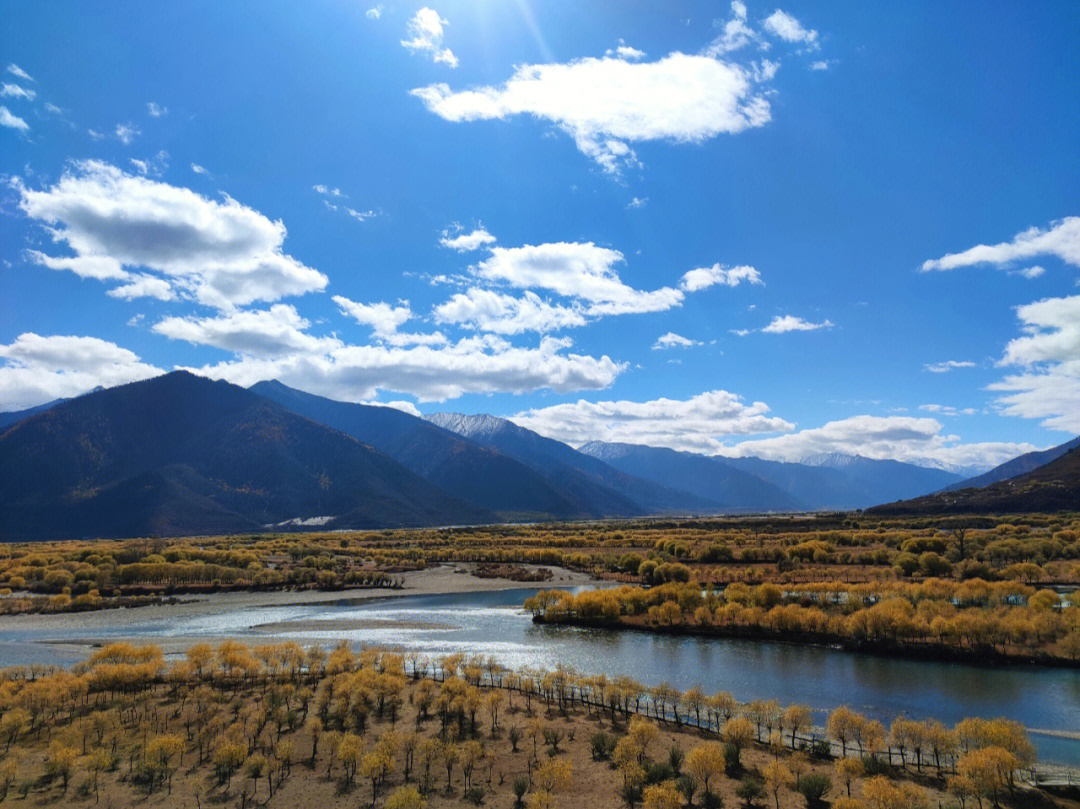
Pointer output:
595, 486
706, 477
466, 470
1017, 466
182, 454
1052, 487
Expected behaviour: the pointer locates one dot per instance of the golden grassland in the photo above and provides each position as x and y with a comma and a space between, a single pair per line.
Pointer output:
1033, 550
281, 725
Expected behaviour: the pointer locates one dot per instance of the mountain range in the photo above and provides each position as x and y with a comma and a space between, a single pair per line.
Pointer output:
180, 454
1055, 486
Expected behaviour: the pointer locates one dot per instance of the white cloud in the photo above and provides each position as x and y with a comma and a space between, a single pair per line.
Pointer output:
52, 109
219, 253
12, 121
383, 318
1049, 352
673, 340
15, 70
947, 365
781, 325
1053, 332
948, 410
156, 110
467, 242
16, 91
577, 270
606, 103
100, 268
195, 167
1051, 394
693, 425
144, 286
823, 64
901, 438
374, 12
624, 51
1061, 239
705, 277
426, 30
264, 334
1032, 272
126, 133
737, 34
360, 216
638, 202
326, 191
504, 314
483, 364
789, 29
37, 369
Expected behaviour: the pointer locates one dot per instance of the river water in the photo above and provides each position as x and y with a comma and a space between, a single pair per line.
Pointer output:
492, 623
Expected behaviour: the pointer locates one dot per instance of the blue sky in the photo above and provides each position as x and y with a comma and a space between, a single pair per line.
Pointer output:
727, 228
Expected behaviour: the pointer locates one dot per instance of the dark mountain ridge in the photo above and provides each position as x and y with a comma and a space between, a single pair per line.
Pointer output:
180, 454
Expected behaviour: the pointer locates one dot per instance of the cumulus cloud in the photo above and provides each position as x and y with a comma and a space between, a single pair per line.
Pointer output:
673, 340
483, 364
607, 103
426, 32
781, 325
694, 425
221, 254
947, 365
1061, 239
581, 271
156, 110
783, 25
494, 312
901, 438
18, 72
705, 277
12, 121
8, 90
35, 369
266, 334
195, 167
374, 12
467, 242
385, 320
1052, 329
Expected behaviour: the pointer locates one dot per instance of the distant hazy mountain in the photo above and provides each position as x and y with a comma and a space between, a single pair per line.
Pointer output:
1017, 466
594, 485
475, 473
180, 454
878, 481
1054, 486
708, 478
830, 482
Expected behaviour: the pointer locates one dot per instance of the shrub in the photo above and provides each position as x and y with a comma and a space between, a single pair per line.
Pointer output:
814, 788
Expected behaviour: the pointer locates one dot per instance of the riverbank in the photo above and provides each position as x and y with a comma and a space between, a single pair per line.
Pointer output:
983, 657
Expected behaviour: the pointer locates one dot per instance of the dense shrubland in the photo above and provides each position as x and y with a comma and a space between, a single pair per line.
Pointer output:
1037, 550
284, 725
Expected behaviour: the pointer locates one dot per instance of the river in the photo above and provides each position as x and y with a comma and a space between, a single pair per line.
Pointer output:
492, 623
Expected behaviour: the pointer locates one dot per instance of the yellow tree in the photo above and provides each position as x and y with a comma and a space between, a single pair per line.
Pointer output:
662, 796
705, 762
777, 777
989, 769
